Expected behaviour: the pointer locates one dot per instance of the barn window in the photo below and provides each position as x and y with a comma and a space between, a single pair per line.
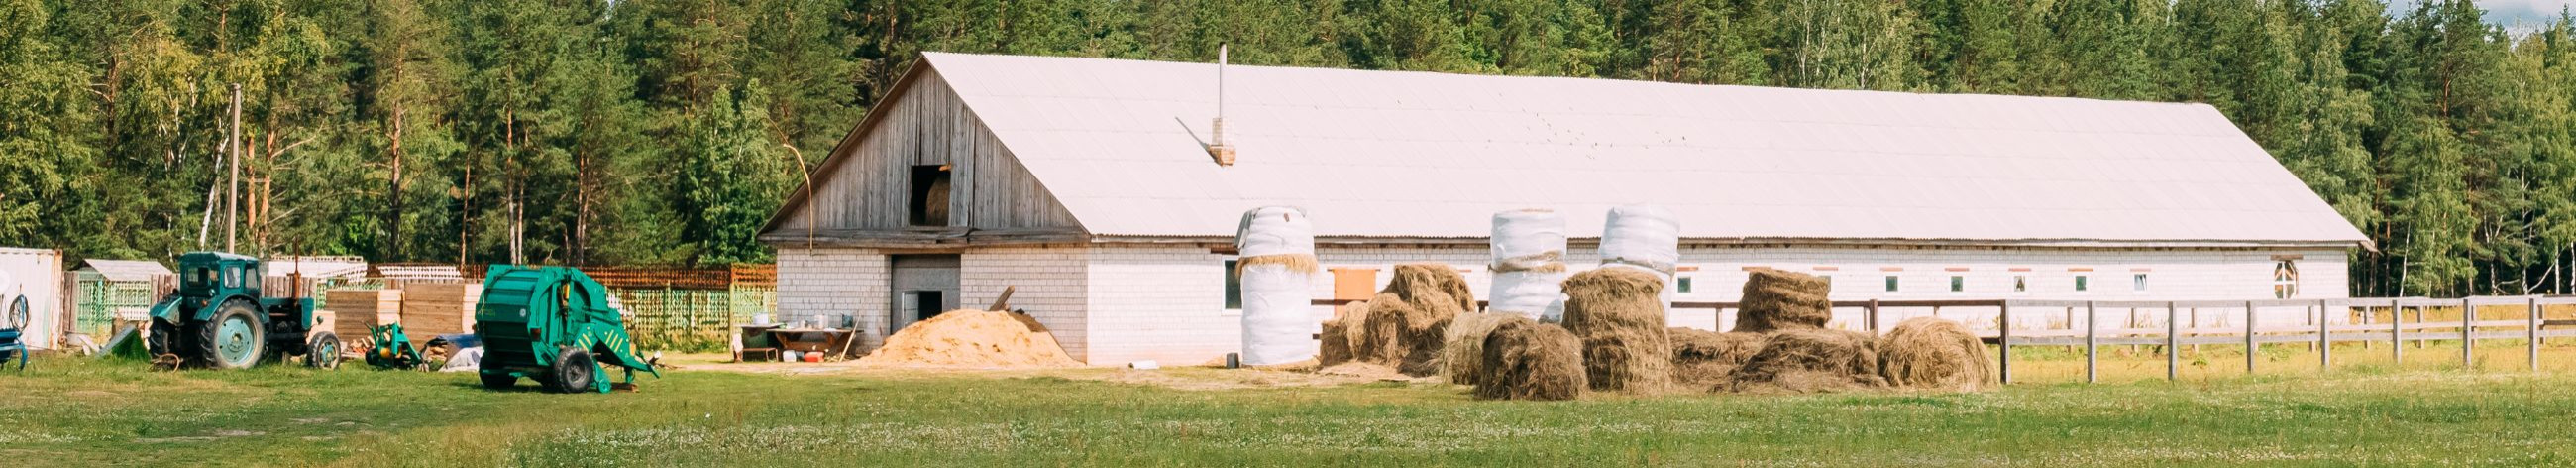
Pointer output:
2138, 282
1891, 283
2021, 283
2285, 279
2080, 283
1958, 283
1682, 284
929, 197
1233, 286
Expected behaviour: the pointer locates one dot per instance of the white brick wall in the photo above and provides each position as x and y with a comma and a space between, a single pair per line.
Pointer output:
836, 286
1113, 304
1051, 283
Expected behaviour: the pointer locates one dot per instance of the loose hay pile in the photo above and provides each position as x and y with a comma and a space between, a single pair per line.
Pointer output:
1526, 360
1777, 300
1619, 314
1404, 325
1464, 346
1702, 359
973, 338
1810, 360
1933, 353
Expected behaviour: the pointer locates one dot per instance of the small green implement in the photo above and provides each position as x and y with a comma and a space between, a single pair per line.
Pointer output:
391, 349
552, 325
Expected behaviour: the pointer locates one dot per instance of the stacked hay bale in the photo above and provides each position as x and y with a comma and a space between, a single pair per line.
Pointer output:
1528, 263
1932, 353
1810, 360
1702, 359
1618, 314
1278, 248
1779, 300
1463, 346
1523, 359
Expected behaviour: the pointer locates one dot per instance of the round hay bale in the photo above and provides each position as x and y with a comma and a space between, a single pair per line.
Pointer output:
1781, 300
1423, 331
1338, 340
1382, 329
1463, 346
1702, 359
1933, 353
1809, 360
1526, 360
1619, 314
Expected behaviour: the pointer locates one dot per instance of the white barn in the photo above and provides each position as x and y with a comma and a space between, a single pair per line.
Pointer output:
1084, 183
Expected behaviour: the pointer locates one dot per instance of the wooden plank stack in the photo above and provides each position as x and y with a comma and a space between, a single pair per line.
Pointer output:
429, 310
356, 310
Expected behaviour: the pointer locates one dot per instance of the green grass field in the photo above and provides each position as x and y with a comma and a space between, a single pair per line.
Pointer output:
69, 412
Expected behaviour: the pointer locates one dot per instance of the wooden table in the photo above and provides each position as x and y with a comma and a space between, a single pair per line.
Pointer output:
812, 340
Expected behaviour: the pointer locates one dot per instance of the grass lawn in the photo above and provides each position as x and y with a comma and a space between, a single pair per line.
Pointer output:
71, 412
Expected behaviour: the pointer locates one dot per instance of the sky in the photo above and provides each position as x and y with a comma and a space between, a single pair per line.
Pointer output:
2516, 15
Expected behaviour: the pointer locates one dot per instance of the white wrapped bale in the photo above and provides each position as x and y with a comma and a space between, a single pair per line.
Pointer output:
1529, 264
1278, 249
1645, 238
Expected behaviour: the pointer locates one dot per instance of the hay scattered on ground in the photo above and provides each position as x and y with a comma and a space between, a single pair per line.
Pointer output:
1619, 314
1463, 347
1364, 370
973, 338
1932, 353
1702, 359
1526, 360
1780, 300
1810, 360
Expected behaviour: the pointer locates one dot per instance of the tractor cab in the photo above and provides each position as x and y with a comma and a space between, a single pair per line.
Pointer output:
219, 318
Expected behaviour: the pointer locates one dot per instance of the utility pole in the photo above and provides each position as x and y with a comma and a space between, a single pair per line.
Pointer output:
232, 200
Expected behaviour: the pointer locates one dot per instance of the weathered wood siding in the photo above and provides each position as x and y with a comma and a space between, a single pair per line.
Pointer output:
924, 124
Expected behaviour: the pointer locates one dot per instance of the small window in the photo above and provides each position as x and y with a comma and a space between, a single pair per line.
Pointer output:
1682, 285
2080, 281
929, 197
1233, 286
1958, 283
252, 279
2285, 279
2138, 282
232, 277
1891, 283
2021, 283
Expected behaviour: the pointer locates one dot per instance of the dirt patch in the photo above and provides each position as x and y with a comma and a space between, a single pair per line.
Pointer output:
973, 338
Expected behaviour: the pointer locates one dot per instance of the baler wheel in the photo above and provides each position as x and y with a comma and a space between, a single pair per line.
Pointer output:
324, 352
574, 372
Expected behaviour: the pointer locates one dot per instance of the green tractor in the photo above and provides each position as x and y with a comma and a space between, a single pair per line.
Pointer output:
552, 325
218, 319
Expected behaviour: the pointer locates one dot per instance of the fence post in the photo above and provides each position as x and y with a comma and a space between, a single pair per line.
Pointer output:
2396, 335
2468, 339
2173, 342
2003, 339
2535, 334
2092, 344
2325, 340
1872, 312
2251, 348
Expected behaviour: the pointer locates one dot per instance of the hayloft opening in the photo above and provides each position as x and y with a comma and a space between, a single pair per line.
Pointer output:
928, 202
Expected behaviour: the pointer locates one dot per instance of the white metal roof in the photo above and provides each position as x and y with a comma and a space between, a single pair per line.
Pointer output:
127, 270
1409, 154
317, 266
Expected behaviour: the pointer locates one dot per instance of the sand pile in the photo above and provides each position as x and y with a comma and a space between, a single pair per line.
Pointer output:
1463, 346
1702, 359
1779, 300
1619, 314
1522, 359
1933, 353
1810, 360
974, 338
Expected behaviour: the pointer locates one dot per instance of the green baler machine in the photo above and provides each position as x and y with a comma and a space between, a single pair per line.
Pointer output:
552, 325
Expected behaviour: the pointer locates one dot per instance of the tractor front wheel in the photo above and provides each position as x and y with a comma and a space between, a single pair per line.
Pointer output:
233, 339
165, 339
574, 372
323, 352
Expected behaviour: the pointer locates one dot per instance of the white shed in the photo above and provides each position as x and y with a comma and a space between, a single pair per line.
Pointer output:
34, 276
1087, 185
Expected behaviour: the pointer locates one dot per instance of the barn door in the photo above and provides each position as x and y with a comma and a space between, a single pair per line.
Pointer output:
924, 286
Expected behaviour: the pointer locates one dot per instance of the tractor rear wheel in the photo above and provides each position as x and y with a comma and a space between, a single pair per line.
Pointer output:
233, 339
574, 372
323, 352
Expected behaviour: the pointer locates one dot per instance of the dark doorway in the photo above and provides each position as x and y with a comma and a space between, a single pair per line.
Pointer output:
929, 304
928, 200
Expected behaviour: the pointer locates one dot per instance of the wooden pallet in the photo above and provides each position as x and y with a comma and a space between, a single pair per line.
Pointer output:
354, 311
429, 310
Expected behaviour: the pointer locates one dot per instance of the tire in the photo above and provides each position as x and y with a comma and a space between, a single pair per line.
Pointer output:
17, 314
165, 339
323, 352
574, 372
233, 339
